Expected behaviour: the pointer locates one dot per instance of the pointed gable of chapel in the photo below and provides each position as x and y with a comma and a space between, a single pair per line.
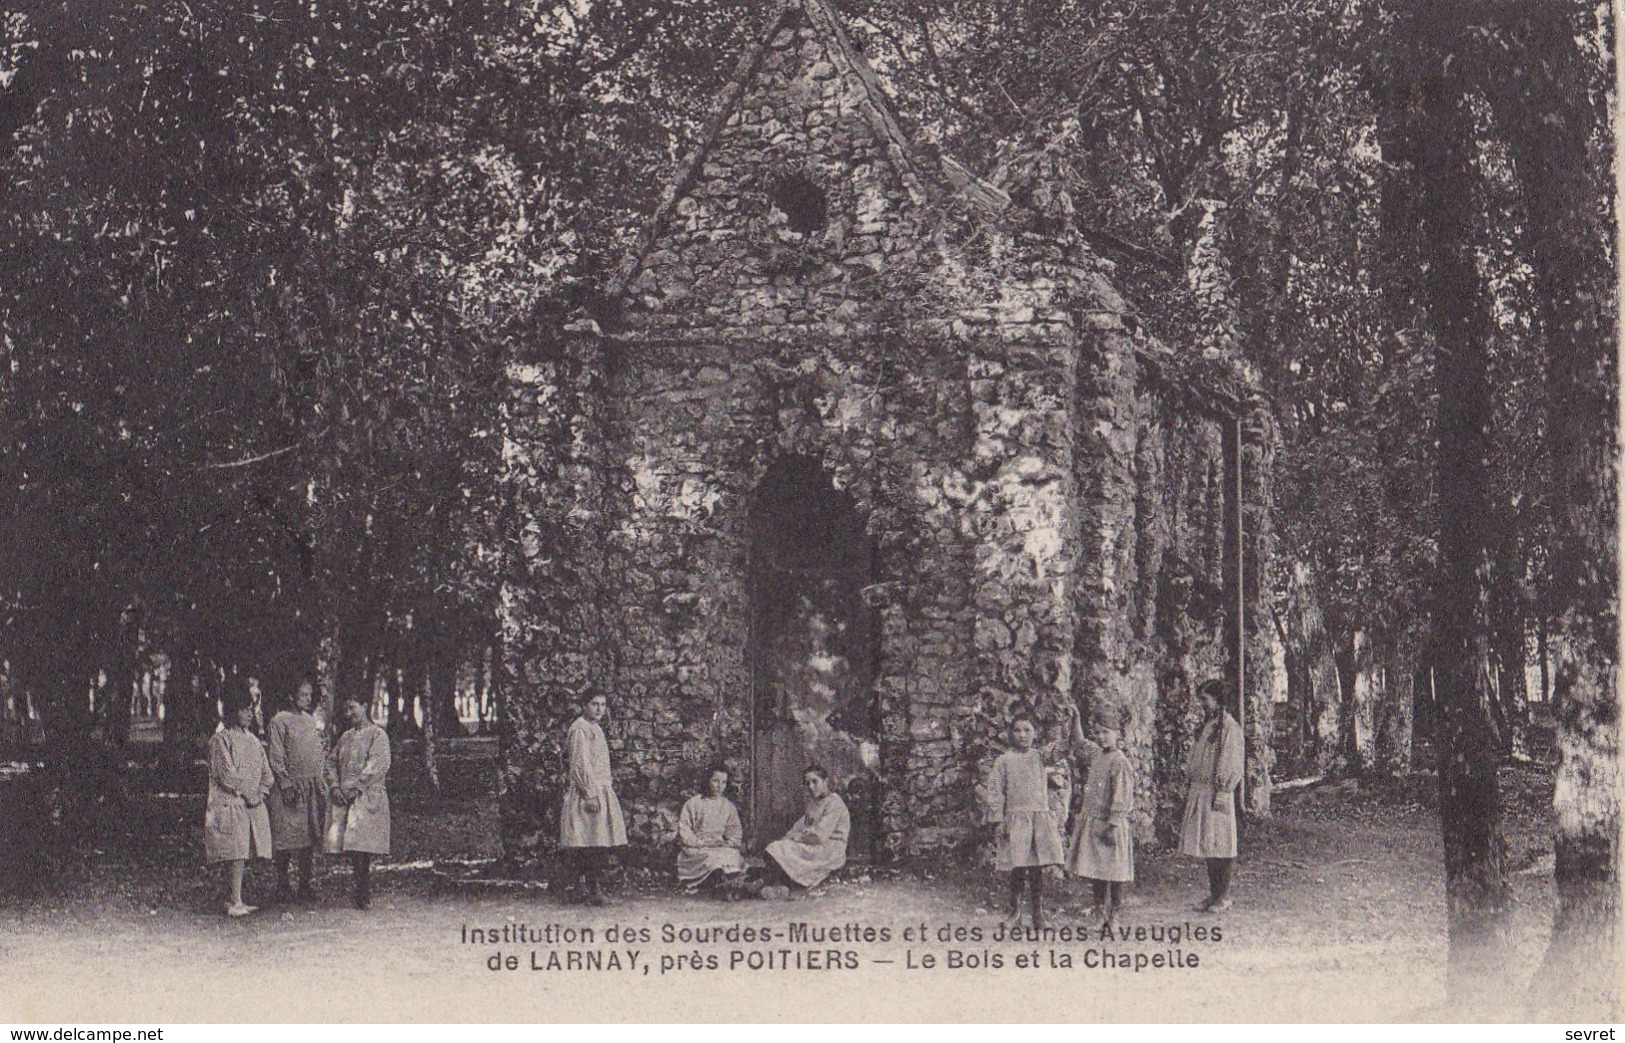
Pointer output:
805, 208
804, 200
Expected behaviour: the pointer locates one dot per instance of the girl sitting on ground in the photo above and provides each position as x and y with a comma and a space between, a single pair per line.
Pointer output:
711, 837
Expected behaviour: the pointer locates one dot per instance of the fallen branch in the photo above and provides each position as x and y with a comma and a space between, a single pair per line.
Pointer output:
245, 461
248, 460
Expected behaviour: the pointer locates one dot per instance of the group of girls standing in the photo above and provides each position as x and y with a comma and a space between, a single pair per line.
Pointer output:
302, 793
1029, 834
1101, 849
284, 797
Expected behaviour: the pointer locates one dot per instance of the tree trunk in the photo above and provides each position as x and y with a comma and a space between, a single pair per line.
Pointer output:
119, 695
1293, 745
1514, 693
1545, 662
69, 732
1325, 705
122, 656
180, 703
357, 667
1313, 674
497, 692
1425, 723
328, 654
1366, 703
442, 671
1394, 726
1348, 713
78, 772
1578, 978
403, 698
206, 717
485, 668
1555, 105
431, 733
1432, 130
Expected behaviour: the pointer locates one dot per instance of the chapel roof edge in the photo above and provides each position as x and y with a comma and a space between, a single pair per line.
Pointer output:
928, 184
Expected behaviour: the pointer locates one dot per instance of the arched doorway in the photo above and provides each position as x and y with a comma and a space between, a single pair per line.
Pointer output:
814, 651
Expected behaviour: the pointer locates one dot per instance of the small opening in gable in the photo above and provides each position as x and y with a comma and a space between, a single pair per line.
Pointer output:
803, 203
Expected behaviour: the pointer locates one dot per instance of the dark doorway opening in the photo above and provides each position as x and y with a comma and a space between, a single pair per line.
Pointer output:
814, 652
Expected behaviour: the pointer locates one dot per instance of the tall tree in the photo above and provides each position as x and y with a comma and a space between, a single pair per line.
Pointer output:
1551, 94
1430, 137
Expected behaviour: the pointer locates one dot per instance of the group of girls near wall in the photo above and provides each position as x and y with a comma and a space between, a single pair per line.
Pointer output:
1101, 848
710, 835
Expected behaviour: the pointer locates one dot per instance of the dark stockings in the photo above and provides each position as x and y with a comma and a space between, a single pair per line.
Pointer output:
1218, 877
283, 858
361, 866
1108, 896
588, 869
1032, 878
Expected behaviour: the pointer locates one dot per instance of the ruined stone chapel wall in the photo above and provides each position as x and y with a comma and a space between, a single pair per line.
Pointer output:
1044, 522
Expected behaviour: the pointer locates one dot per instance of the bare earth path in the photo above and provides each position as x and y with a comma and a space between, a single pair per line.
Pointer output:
1339, 917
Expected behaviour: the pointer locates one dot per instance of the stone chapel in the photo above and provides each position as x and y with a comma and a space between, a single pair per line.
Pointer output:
862, 455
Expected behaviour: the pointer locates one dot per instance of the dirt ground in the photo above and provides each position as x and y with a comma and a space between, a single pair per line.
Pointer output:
1339, 917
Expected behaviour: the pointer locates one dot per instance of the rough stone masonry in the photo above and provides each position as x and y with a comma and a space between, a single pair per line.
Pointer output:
859, 458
